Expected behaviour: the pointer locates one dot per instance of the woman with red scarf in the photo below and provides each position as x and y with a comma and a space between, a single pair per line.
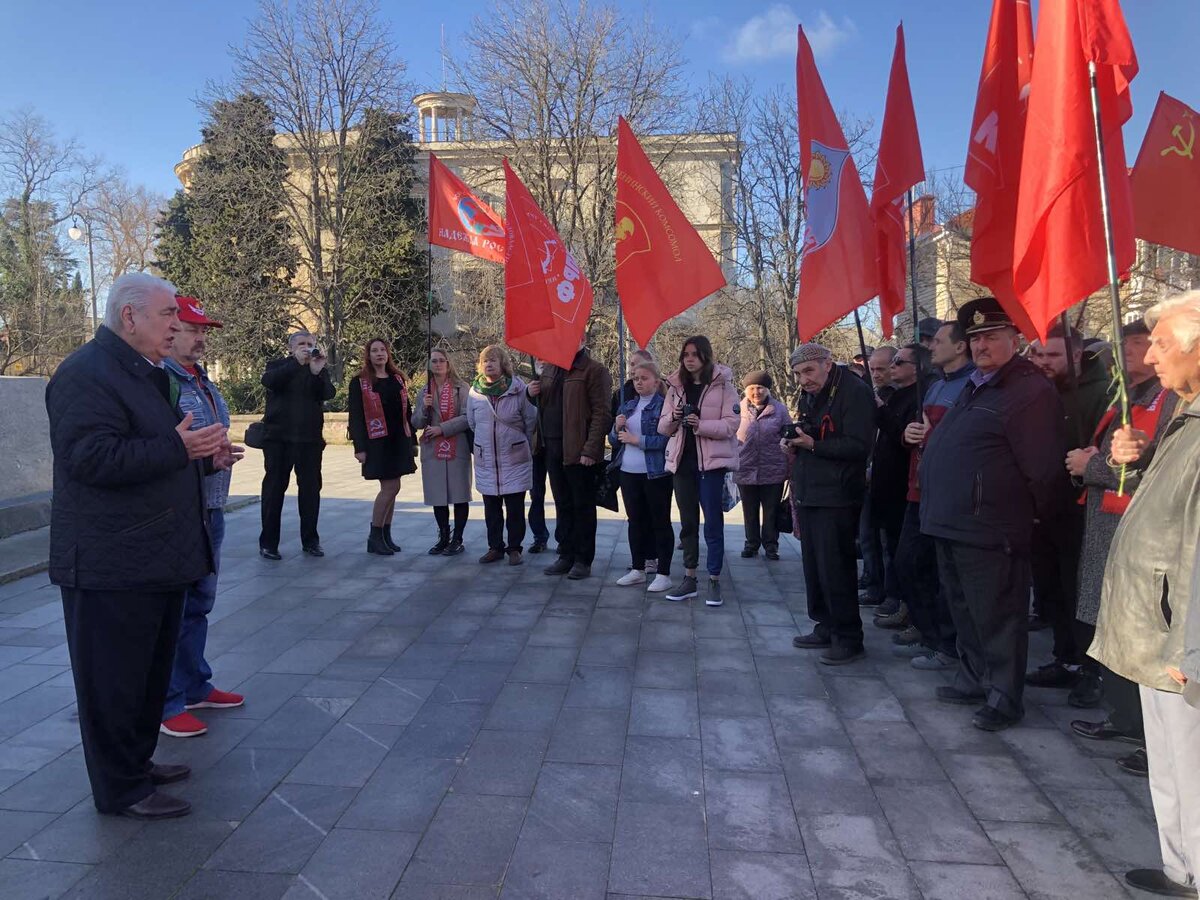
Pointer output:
441, 410
381, 429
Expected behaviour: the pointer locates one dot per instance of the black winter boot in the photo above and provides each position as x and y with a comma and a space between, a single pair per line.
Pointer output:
443, 542
376, 544
387, 538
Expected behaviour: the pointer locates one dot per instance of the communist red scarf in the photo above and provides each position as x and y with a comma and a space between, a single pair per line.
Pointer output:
373, 408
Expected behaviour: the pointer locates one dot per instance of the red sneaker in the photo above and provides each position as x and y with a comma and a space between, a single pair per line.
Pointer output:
218, 700
183, 725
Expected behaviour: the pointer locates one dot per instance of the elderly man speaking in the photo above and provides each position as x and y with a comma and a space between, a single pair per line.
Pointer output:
1148, 629
127, 536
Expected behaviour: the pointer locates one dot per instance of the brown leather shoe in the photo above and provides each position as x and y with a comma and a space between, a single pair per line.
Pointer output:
514, 558
493, 555
168, 774
158, 806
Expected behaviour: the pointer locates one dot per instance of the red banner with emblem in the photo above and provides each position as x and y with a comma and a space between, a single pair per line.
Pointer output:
460, 220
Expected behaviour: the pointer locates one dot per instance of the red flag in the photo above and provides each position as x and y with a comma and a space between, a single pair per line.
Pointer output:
1060, 254
663, 265
993, 168
1166, 178
460, 220
837, 269
898, 167
547, 300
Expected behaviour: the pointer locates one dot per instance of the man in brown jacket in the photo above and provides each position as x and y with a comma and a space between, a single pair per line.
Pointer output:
573, 420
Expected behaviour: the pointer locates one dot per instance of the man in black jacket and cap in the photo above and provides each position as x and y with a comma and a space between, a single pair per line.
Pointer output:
127, 536
833, 438
991, 467
297, 388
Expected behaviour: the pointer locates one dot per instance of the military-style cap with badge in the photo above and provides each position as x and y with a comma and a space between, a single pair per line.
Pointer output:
984, 314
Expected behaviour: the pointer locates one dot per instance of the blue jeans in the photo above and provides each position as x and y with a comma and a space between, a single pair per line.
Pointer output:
190, 676
695, 492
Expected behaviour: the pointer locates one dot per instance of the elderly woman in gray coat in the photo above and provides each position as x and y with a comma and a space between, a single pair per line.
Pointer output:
503, 419
1147, 629
441, 410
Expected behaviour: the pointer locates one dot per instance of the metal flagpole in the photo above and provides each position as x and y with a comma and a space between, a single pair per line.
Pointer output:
1113, 274
912, 287
620, 344
862, 341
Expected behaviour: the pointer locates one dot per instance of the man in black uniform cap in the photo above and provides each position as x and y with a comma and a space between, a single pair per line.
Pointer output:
995, 455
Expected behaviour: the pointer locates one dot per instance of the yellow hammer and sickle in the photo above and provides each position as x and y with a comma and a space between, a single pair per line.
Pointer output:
1183, 148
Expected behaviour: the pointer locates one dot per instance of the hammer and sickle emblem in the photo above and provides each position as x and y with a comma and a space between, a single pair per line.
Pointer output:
1183, 148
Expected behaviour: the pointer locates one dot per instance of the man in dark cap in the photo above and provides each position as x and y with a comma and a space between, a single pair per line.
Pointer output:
996, 454
927, 328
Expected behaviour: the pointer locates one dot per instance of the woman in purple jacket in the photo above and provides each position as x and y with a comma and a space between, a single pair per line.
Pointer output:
762, 465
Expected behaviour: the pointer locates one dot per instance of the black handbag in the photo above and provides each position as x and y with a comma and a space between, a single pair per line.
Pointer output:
784, 523
255, 435
607, 485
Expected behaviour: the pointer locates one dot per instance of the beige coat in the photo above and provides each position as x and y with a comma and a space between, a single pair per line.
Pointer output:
445, 481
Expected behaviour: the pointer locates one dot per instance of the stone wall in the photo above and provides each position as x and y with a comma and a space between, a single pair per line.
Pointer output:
335, 427
25, 451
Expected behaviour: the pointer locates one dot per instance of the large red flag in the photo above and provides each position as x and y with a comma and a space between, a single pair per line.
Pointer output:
837, 268
547, 300
1060, 254
898, 167
993, 168
460, 220
1166, 178
663, 265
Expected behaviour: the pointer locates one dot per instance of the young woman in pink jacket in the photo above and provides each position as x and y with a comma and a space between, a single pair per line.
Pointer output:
700, 416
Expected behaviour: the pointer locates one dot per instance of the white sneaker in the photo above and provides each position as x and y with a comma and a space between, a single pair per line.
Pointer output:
659, 584
633, 576
652, 567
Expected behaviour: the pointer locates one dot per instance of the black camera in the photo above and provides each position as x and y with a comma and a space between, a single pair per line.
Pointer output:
792, 430
316, 353
686, 410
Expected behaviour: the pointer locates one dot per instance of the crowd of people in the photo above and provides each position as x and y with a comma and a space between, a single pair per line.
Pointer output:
989, 490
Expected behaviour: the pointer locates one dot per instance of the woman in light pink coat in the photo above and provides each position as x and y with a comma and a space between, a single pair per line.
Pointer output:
700, 415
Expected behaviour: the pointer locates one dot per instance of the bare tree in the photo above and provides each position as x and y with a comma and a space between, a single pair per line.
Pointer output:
123, 217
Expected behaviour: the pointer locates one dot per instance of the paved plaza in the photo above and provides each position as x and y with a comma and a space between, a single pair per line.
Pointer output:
419, 727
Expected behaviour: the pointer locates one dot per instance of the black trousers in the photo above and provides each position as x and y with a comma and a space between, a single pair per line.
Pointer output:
279, 458
1057, 544
537, 502
574, 490
831, 572
122, 646
462, 512
888, 518
648, 508
498, 511
764, 499
988, 594
917, 570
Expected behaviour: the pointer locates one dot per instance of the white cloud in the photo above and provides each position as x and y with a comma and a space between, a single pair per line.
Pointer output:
772, 35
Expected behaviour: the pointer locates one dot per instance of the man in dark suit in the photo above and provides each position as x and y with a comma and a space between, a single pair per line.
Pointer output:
127, 536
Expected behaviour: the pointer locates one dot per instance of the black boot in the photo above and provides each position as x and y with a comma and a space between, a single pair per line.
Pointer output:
455, 548
443, 541
387, 538
376, 544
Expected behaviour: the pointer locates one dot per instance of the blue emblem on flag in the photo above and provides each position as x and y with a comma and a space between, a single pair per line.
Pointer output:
822, 195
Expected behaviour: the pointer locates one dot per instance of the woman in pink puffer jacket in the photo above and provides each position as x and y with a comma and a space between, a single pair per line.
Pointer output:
700, 415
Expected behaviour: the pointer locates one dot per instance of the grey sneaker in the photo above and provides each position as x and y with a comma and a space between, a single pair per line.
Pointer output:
685, 590
714, 593
934, 662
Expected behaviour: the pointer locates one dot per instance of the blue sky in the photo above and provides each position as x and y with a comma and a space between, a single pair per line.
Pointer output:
121, 76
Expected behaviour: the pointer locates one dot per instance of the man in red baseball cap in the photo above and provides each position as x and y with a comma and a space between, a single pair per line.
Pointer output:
191, 685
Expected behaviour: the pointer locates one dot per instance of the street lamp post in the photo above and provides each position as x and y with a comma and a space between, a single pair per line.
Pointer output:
75, 233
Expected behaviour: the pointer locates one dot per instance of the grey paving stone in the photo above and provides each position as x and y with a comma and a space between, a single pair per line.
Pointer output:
660, 850
1052, 861
853, 878
948, 728
1054, 760
347, 756
79, 836
995, 788
402, 795
553, 870
33, 706
664, 713
953, 881
932, 823
893, 751
212, 884
469, 841
55, 787
865, 699
383, 642
415, 891
1119, 832
239, 782
503, 762
589, 736
739, 744
830, 839
615, 621
490, 646
443, 730
355, 865
750, 812
308, 657
391, 701
471, 682
266, 693
717, 626
21, 677
573, 802
674, 637
775, 615
826, 780
544, 665
558, 631
724, 655
452, 629
526, 707
739, 875
609, 649
770, 641
30, 880
794, 675
599, 687
662, 770
730, 694
668, 671
802, 723
16, 828
298, 725
424, 661
282, 833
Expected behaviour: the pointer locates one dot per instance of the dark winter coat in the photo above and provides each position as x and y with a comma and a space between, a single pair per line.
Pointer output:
295, 401
390, 456
586, 406
890, 459
128, 506
834, 472
760, 458
995, 461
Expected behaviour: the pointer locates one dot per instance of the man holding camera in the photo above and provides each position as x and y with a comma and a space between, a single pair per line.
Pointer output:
297, 388
832, 442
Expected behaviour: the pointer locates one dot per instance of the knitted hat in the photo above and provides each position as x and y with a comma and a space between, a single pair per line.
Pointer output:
759, 377
807, 353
